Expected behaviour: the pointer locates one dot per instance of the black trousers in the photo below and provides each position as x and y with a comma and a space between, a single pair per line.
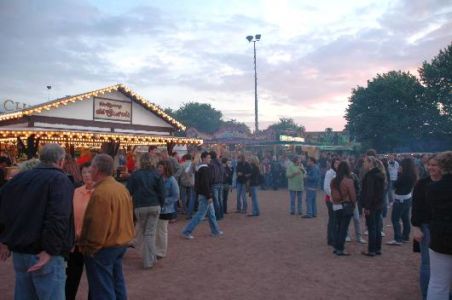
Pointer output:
374, 227
74, 273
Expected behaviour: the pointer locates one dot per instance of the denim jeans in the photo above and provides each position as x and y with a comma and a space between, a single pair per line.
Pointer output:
356, 224
217, 193
299, 195
242, 204
204, 208
147, 218
374, 223
331, 229
401, 210
226, 188
45, 283
424, 271
342, 221
311, 204
104, 273
255, 202
439, 286
187, 195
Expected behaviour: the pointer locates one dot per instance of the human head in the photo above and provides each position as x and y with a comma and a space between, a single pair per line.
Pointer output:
147, 161
164, 168
213, 154
445, 162
254, 160
52, 154
85, 170
371, 152
205, 157
295, 159
335, 164
408, 167
369, 163
311, 161
433, 167
242, 157
101, 166
224, 160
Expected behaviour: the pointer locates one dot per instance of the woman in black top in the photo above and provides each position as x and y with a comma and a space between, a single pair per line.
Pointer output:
439, 196
254, 183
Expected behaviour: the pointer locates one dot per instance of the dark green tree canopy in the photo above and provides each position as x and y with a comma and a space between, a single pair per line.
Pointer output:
391, 112
201, 116
286, 126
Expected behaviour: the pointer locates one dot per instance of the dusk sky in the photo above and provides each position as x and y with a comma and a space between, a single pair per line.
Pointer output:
311, 55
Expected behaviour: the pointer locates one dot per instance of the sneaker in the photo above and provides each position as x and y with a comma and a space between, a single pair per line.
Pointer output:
394, 243
220, 233
362, 241
348, 239
187, 236
383, 234
370, 254
366, 232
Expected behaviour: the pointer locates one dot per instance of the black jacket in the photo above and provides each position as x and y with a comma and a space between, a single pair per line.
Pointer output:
439, 195
255, 176
147, 188
421, 209
227, 176
373, 190
37, 213
203, 183
244, 168
216, 171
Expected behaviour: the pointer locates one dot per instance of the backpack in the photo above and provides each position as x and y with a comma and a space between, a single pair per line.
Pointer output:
187, 177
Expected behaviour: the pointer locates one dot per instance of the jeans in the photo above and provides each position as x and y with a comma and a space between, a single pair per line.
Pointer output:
401, 210
161, 238
217, 193
147, 218
424, 271
45, 283
104, 273
204, 208
225, 197
374, 224
391, 191
331, 224
311, 204
187, 195
342, 221
242, 204
356, 223
255, 201
440, 284
299, 195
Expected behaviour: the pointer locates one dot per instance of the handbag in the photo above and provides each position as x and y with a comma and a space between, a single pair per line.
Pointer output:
348, 208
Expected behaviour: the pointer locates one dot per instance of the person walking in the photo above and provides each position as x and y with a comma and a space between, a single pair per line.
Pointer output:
36, 224
106, 232
439, 196
168, 211
243, 171
372, 201
227, 182
187, 183
148, 195
329, 176
203, 188
295, 176
254, 183
403, 188
217, 173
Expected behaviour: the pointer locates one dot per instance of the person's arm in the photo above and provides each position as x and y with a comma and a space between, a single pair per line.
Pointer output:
174, 190
160, 189
327, 182
351, 190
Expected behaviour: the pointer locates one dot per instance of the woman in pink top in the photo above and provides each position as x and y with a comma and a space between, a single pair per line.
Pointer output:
75, 262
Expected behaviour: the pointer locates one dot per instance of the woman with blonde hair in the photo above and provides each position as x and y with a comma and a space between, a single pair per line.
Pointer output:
148, 195
254, 183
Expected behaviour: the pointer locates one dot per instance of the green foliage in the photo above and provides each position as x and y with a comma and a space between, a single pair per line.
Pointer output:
201, 116
243, 127
437, 78
287, 126
390, 112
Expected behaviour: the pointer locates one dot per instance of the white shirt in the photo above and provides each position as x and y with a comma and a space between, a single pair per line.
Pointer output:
329, 176
393, 169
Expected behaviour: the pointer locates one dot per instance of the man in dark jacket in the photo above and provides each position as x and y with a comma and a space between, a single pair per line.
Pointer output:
36, 212
243, 175
217, 172
203, 189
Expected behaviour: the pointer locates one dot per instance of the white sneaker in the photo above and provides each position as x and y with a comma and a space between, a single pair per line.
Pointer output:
366, 232
362, 241
187, 236
393, 243
220, 233
383, 234
348, 239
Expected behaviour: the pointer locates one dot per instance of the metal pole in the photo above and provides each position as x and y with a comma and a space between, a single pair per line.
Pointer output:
255, 91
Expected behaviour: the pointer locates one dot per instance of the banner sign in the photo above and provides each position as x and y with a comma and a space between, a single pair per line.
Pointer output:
112, 110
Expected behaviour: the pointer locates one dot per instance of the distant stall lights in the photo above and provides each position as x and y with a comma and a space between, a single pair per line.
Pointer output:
287, 138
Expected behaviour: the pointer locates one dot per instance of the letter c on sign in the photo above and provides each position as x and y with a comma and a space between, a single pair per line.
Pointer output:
8, 105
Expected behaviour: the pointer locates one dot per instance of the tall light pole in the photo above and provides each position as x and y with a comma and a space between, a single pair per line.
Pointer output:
255, 39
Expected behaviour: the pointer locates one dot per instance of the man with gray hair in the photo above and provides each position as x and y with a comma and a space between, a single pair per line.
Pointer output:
36, 224
106, 232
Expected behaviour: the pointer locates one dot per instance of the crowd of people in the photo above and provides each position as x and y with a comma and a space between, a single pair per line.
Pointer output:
88, 219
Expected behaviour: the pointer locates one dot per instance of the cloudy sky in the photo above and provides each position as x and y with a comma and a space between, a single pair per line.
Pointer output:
312, 53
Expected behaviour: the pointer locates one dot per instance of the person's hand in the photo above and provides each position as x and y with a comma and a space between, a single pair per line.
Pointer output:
209, 200
417, 234
43, 259
4, 252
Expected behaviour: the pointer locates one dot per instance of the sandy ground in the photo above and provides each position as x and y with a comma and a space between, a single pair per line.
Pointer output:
274, 256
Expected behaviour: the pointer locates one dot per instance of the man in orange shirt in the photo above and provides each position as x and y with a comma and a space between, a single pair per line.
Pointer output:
106, 232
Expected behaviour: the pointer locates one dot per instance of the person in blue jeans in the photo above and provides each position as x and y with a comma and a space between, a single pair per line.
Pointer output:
312, 183
203, 189
254, 183
295, 174
37, 226
243, 171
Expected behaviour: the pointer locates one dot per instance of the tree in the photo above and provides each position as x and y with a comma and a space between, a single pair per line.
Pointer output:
286, 126
240, 126
391, 113
201, 116
437, 78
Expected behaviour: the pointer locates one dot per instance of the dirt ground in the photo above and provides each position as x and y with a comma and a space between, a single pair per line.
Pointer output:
274, 256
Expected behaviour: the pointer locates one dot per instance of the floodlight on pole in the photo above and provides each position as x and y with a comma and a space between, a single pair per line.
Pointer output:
255, 39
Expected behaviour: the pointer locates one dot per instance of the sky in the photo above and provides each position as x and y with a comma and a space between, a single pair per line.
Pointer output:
310, 57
